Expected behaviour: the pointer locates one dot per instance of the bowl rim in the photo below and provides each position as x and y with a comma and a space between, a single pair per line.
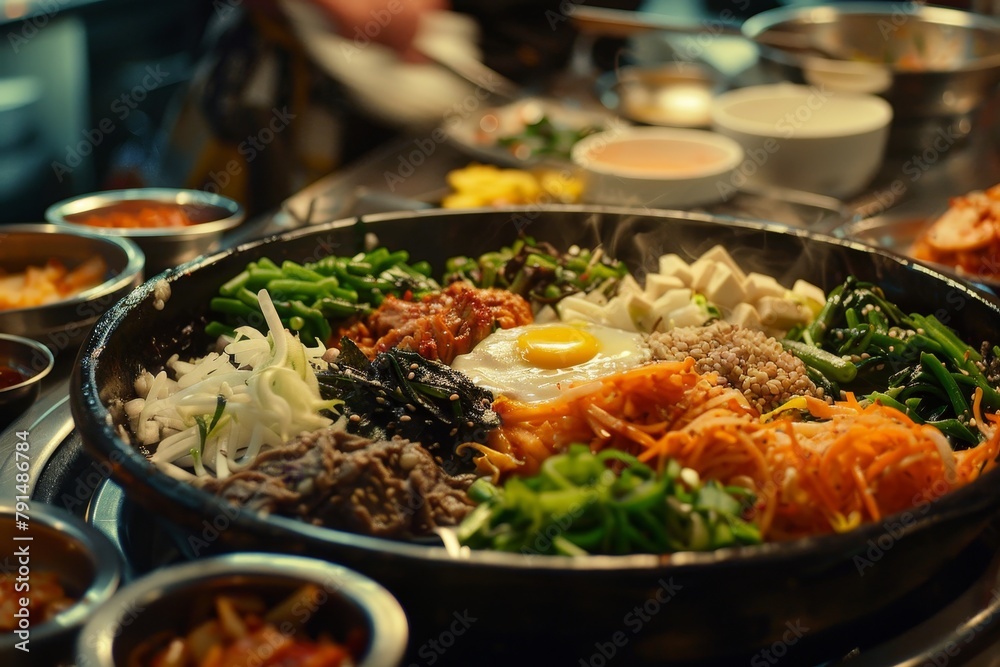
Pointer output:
580, 153
135, 261
94, 422
56, 213
723, 118
106, 560
610, 87
385, 616
31, 343
826, 13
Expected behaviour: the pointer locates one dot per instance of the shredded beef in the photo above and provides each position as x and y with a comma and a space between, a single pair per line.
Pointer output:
389, 488
440, 326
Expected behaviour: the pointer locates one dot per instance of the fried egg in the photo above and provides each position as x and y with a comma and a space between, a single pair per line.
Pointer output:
537, 362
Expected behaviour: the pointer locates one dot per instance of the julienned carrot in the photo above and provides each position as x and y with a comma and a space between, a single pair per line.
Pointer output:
861, 463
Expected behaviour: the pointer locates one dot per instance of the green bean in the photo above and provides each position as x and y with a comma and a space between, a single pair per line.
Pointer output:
955, 428
878, 320
818, 328
259, 278
423, 268
888, 401
235, 283
215, 329
834, 367
947, 382
249, 298
321, 328
289, 287
233, 307
296, 271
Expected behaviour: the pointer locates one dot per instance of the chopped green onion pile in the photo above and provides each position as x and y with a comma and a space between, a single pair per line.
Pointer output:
607, 503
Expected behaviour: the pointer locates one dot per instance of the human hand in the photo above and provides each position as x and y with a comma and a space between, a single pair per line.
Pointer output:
393, 23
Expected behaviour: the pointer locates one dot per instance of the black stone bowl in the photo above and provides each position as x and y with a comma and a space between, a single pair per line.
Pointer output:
811, 598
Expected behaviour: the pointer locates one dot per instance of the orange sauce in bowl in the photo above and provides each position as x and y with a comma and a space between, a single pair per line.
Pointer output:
147, 214
653, 157
10, 376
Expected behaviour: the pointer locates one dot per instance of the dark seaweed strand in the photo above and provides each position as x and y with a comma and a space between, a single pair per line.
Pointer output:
400, 393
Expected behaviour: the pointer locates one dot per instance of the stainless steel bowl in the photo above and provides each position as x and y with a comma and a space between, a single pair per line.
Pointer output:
88, 566
32, 360
927, 61
164, 600
63, 324
164, 247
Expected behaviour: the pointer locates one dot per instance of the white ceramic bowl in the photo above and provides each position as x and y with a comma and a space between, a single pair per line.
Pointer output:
656, 167
805, 137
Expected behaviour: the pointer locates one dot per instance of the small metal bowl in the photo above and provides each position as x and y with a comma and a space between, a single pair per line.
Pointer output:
926, 61
164, 600
164, 247
62, 325
32, 360
677, 94
89, 569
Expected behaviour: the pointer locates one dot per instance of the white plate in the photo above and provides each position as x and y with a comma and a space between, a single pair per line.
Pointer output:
479, 132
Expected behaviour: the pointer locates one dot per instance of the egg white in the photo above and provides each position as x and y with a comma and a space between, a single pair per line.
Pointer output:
496, 363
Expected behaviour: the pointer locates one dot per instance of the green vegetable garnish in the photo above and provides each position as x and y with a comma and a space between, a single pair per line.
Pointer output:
308, 296
538, 271
862, 342
607, 503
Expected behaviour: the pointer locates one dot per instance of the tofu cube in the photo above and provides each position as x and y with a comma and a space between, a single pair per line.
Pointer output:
640, 311
744, 315
628, 286
725, 289
758, 286
673, 265
688, 316
780, 314
720, 255
578, 308
672, 300
809, 291
618, 314
701, 274
657, 284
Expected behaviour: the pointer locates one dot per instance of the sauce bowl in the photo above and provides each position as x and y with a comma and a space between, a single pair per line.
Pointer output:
656, 167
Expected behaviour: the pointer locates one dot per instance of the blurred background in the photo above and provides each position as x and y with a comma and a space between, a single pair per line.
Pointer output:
103, 94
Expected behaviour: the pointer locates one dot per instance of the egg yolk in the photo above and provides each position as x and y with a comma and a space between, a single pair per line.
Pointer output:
557, 347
